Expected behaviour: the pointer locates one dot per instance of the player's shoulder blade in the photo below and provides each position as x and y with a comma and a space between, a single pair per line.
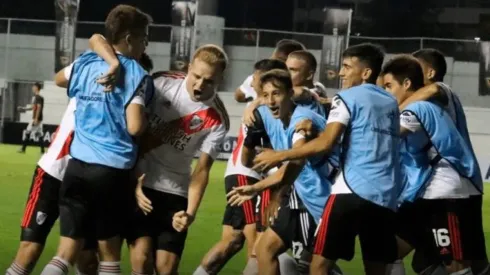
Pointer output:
221, 109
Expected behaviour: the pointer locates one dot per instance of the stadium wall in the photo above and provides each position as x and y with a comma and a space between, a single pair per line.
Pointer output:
32, 58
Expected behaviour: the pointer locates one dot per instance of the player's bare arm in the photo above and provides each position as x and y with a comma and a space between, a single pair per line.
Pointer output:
240, 96
248, 115
60, 79
323, 144
102, 48
199, 180
431, 91
285, 175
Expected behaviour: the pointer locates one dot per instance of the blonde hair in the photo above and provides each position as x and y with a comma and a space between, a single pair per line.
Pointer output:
213, 55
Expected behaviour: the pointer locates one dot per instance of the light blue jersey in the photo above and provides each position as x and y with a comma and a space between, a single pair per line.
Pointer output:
440, 132
101, 134
370, 157
312, 184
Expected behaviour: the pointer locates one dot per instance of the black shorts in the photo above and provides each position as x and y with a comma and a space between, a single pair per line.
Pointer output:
443, 230
261, 204
94, 200
158, 224
348, 215
295, 227
239, 216
42, 208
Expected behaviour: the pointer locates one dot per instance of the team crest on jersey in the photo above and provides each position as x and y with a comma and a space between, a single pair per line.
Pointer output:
195, 123
41, 217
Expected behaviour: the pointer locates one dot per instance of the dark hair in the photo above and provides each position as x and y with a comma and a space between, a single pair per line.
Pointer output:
123, 20
435, 59
265, 65
38, 85
287, 46
405, 67
146, 62
279, 78
307, 56
370, 55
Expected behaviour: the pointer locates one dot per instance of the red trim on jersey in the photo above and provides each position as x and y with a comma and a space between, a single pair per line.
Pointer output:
322, 231
33, 197
65, 150
171, 74
239, 143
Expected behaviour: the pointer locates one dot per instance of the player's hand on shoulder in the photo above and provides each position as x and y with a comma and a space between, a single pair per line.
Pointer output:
109, 79
306, 128
248, 115
182, 220
143, 202
240, 195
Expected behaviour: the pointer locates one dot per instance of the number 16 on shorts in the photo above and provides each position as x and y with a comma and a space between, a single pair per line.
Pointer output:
441, 237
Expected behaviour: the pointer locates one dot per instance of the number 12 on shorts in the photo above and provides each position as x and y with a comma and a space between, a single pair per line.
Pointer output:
441, 237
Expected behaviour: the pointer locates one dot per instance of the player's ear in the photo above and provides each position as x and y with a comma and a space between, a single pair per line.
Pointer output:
407, 83
366, 74
311, 75
431, 73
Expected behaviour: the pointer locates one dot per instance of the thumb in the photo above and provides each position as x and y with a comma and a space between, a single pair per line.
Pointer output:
141, 179
179, 214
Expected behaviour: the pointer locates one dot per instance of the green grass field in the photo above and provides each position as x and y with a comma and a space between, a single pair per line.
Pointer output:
15, 178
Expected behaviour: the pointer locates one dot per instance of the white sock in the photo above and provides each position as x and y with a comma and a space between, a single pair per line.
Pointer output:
485, 271
287, 264
16, 269
200, 271
139, 273
57, 266
397, 268
336, 270
435, 270
466, 271
252, 267
109, 268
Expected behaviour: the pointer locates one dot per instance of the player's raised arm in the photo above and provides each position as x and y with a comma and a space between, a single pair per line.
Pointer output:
102, 48
431, 91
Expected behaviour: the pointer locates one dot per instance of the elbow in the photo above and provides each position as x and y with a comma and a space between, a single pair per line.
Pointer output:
239, 96
136, 129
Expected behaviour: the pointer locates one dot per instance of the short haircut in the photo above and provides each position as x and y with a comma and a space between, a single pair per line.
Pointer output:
405, 67
435, 59
287, 46
307, 56
38, 85
123, 20
213, 55
370, 55
146, 62
265, 65
279, 78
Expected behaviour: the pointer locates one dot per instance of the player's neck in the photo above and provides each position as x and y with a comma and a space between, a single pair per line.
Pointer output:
122, 50
287, 118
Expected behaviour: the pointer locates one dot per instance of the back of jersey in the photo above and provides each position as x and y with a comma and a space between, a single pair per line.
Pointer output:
101, 135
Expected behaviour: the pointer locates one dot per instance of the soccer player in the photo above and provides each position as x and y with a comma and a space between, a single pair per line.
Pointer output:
96, 185
302, 65
36, 125
239, 223
186, 117
301, 203
42, 208
364, 194
442, 175
434, 68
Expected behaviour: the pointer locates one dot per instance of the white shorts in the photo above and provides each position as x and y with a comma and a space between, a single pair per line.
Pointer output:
35, 129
